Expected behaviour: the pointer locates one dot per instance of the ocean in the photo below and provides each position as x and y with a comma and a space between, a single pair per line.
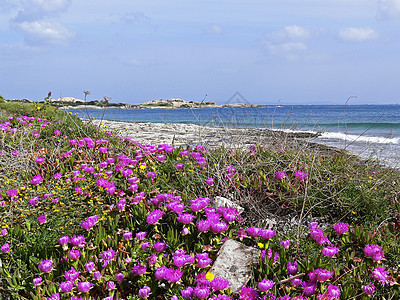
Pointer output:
369, 131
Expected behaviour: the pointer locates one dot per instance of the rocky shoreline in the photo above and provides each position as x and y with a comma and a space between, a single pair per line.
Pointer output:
177, 134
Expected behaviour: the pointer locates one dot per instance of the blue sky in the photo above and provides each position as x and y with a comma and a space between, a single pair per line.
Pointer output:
271, 51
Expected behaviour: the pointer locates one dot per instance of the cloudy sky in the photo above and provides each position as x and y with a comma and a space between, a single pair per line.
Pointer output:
270, 51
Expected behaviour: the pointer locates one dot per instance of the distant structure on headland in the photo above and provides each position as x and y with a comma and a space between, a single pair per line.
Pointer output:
75, 103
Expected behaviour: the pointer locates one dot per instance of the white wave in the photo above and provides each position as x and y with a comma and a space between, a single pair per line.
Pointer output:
359, 138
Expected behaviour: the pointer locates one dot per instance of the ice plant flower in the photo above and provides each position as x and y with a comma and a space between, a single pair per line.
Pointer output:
41, 219
141, 235
46, 265
119, 277
341, 228
154, 216
187, 293
90, 222
144, 292
74, 254
84, 286
160, 246
333, 291
267, 234
253, 231
110, 285
37, 281
210, 181
323, 275
89, 266
300, 175
285, 244
186, 218
280, 175
265, 285
36, 180
201, 292
380, 274
39, 160
66, 286
78, 241
5, 248
219, 284
71, 275
248, 293
219, 227
329, 251
292, 268
374, 251
368, 289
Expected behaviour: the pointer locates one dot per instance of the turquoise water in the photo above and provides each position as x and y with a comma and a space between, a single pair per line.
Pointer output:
367, 130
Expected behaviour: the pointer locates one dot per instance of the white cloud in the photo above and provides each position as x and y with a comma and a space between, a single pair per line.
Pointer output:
29, 10
292, 33
286, 48
214, 29
389, 8
39, 32
288, 42
357, 34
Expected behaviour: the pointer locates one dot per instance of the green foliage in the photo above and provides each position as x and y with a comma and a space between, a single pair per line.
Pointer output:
337, 187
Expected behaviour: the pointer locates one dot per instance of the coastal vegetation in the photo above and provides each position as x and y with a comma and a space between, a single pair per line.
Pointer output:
91, 214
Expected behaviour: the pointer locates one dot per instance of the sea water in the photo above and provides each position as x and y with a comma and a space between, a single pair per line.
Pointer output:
370, 131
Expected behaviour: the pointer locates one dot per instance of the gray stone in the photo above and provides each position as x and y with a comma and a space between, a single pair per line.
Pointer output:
234, 263
225, 202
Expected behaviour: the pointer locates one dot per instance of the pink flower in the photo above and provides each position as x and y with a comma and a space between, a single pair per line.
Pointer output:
37, 281
39, 160
201, 292
248, 293
5, 248
265, 285
74, 254
341, 228
66, 286
144, 292
219, 227
285, 244
219, 284
300, 175
34, 201
374, 251
186, 218
292, 268
84, 286
36, 180
330, 251
154, 216
368, 289
46, 265
380, 274
41, 219
160, 246
280, 175
210, 181
253, 231
267, 234
71, 275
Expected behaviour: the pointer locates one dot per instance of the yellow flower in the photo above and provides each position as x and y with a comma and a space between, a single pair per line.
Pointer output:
210, 276
261, 245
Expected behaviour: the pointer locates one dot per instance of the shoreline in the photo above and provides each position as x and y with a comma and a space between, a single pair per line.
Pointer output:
179, 134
